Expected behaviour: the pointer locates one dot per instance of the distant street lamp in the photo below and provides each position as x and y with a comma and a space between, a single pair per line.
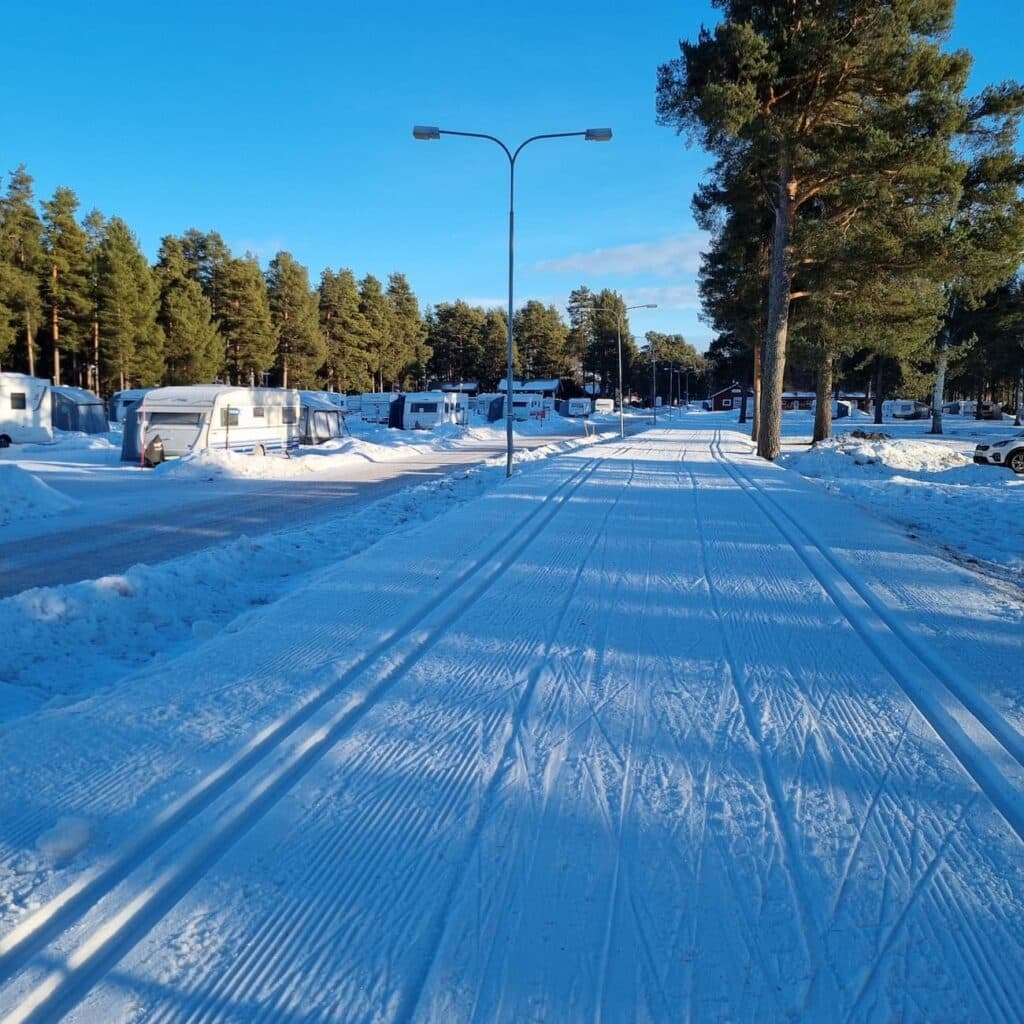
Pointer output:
429, 132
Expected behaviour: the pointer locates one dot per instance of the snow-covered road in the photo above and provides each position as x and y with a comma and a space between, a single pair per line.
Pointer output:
652, 731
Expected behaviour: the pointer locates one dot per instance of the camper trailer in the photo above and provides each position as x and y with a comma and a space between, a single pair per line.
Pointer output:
527, 406
120, 400
572, 407
179, 420
905, 409
320, 420
375, 407
25, 413
604, 405
424, 410
75, 409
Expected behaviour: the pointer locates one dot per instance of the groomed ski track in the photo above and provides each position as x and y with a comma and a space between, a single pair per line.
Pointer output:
651, 732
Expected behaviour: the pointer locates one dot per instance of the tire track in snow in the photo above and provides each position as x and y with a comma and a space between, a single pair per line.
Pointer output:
306, 742
988, 748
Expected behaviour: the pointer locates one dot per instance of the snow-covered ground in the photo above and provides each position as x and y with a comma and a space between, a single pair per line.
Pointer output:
652, 731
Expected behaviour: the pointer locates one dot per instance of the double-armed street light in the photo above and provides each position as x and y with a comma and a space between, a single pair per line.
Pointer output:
429, 132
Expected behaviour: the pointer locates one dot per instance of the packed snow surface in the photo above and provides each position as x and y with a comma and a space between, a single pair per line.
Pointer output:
653, 730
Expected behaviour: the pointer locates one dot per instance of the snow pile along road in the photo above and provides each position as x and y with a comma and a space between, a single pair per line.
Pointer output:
931, 487
23, 496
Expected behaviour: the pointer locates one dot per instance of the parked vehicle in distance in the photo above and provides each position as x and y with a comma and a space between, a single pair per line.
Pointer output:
572, 407
959, 408
375, 407
423, 410
25, 410
988, 411
602, 405
1008, 452
120, 400
905, 409
177, 421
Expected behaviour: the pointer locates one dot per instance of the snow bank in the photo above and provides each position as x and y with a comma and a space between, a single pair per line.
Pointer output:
930, 487
22, 494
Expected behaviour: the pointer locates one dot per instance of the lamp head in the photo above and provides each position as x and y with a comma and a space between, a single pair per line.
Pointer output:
597, 135
425, 132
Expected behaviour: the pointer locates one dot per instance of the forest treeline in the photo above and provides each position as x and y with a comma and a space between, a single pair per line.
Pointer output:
865, 212
80, 304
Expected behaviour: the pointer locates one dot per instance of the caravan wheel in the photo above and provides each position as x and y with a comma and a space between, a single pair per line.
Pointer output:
5, 441
259, 450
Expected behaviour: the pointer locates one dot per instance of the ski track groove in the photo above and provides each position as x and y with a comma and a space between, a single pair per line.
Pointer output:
408, 1000
788, 841
58, 989
986, 775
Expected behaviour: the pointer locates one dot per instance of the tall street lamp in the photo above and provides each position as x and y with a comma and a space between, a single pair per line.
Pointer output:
428, 132
618, 334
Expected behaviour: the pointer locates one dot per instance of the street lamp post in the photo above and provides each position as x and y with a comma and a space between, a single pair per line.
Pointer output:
618, 334
429, 132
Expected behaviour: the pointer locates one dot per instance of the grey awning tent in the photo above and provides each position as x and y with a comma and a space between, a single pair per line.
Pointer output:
78, 410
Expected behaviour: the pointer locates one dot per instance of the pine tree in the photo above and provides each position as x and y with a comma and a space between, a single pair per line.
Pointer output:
128, 304
410, 352
577, 342
65, 285
540, 336
455, 333
245, 322
207, 258
345, 332
193, 348
293, 312
826, 97
492, 356
95, 228
376, 310
21, 256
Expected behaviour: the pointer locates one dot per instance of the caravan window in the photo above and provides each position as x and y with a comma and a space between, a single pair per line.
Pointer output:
18, 400
257, 412
289, 414
188, 419
229, 417
423, 407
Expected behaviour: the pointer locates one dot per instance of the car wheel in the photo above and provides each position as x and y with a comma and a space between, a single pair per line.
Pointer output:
1016, 461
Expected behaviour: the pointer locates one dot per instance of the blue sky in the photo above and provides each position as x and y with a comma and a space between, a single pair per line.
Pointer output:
291, 128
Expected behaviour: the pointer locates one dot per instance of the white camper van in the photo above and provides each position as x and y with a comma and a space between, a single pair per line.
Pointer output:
423, 410
572, 407
25, 410
179, 420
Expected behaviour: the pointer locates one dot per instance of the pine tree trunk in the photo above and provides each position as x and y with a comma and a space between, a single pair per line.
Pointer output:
941, 364
30, 346
823, 400
769, 439
96, 355
878, 389
55, 329
757, 392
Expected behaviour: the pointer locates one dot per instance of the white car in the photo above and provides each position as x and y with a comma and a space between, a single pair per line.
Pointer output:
1008, 453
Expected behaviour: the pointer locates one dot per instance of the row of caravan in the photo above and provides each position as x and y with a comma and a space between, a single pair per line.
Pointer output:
31, 409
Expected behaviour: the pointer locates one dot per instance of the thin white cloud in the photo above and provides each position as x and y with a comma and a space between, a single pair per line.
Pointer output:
668, 257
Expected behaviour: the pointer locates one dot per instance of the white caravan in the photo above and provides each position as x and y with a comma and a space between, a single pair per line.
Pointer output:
572, 407
527, 406
375, 407
120, 400
26, 415
423, 410
177, 421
